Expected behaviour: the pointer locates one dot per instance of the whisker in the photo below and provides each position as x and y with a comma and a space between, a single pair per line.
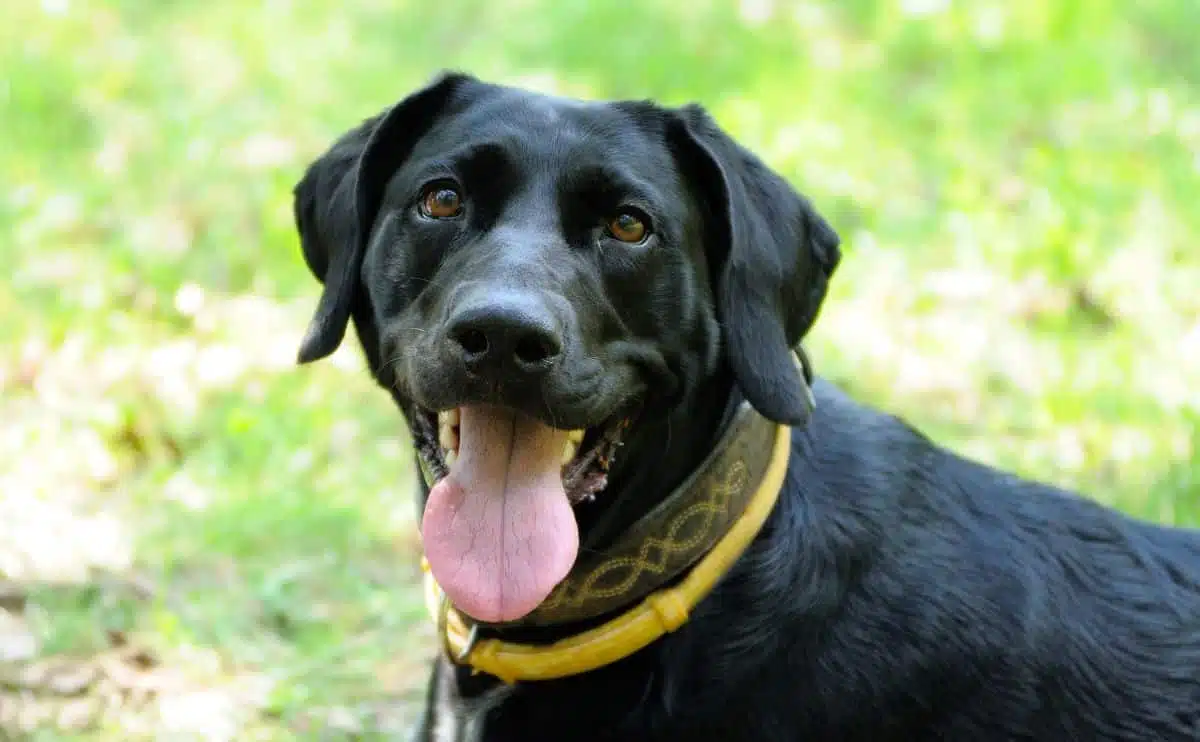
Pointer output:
549, 409
429, 282
397, 358
388, 362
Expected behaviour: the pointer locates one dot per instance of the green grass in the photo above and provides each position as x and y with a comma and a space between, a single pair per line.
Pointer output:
224, 540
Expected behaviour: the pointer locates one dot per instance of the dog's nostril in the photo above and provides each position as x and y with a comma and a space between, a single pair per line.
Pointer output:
473, 341
505, 334
535, 349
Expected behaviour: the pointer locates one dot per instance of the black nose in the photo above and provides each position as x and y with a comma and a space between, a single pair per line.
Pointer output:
508, 332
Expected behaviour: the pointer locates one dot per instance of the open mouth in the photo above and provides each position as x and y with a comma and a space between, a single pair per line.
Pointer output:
585, 460
499, 528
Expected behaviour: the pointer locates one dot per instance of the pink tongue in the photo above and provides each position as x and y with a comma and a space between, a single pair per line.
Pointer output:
498, 531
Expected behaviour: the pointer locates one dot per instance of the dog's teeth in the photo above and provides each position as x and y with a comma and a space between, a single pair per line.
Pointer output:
451, 456
448, 417
576, 436
448, 437
569, 450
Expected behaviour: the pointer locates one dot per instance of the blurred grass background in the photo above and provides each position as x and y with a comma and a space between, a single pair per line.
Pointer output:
199, 540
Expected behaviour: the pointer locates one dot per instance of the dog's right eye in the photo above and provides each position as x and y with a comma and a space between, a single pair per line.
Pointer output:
629, 225
441, 201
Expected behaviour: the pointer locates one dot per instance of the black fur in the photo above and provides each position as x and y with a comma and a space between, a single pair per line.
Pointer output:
898, 592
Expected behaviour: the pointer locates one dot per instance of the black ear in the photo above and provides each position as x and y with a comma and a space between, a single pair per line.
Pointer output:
771, 257
337, 200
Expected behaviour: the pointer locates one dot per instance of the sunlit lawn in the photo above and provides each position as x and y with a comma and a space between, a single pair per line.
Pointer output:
196, 535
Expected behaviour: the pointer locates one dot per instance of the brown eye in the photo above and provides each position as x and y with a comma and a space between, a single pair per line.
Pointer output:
441, 202
628, 226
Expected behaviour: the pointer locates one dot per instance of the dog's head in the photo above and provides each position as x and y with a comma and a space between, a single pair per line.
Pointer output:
527, 273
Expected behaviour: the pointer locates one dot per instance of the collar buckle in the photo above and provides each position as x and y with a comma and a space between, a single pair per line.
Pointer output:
462, 653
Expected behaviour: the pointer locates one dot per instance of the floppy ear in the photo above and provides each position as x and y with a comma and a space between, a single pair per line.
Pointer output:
337, 200
771, 256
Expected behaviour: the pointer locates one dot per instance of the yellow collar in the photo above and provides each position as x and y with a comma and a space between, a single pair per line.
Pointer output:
659, 613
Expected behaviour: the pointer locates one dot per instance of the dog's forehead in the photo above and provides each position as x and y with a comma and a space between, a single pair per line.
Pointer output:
538, 126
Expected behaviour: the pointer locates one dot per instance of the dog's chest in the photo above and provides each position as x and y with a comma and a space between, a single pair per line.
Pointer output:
459, 719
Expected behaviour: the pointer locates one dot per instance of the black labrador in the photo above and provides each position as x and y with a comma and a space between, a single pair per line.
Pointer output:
533, 278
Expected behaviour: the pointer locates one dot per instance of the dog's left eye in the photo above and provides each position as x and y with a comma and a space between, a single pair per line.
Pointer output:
441, 201
629, 225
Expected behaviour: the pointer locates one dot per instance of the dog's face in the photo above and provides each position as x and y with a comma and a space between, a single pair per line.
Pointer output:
541, 255
533, 275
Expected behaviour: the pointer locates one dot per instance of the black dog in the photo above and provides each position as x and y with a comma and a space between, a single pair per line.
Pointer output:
518, 266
